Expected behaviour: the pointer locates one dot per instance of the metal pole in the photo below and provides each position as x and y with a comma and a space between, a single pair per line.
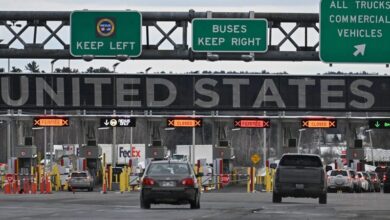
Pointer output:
265, 145
9, 64
114, 153
131, 133
299, 140
372, 148
9, 136
44, 149
51, 147
193, 142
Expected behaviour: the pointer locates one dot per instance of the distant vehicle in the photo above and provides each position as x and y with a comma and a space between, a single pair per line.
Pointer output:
80, 180
171, 182
381, 171
367, 177
340, 180
181, 157
365, 183
201, 152
386, 182
375, 181
357, 183
300, 175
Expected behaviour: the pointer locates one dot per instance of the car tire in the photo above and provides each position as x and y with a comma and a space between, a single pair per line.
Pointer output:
386, 190
90, 189
322, 199
276, 198
195, 204
144, 204
69, 189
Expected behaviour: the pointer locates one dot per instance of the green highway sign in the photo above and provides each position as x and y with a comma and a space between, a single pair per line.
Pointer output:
379, 123
105, 33
229, 35
355, 31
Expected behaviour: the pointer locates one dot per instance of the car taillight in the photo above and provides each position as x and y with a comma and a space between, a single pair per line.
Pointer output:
148, 181
384, 177
188, 182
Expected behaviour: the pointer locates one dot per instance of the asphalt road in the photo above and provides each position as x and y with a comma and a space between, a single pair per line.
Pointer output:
229, 205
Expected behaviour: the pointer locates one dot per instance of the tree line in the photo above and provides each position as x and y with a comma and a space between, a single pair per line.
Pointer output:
33, 67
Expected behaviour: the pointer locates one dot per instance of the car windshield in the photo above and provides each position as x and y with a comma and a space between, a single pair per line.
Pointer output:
79, 175
300, 160
163, 169
339, 172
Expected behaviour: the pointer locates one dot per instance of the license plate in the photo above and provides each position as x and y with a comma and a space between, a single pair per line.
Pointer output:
299, 186
168, 183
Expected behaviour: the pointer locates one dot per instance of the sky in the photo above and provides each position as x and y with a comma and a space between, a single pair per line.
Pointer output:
133, 66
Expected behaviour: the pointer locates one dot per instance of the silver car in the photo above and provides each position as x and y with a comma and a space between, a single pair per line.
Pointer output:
80, 180
340, 180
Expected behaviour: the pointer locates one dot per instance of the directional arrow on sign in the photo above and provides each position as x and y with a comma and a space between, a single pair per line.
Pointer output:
377, 124
106, 122
359, 49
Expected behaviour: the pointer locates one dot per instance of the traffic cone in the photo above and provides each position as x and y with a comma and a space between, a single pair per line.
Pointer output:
34, 186
48, 185
42, 185
7, 188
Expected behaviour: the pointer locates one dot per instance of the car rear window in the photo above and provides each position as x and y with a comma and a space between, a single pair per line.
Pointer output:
163, 169
339, 172
79, 175
381, 169
300, 160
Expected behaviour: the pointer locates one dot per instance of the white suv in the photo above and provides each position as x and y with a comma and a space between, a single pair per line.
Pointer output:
340, 180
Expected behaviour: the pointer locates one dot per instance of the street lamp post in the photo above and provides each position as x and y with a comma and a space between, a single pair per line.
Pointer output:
114, 66
147, 69
52, 65
299, 139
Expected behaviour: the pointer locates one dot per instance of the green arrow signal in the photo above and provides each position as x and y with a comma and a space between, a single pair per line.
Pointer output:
387, 124
377, 124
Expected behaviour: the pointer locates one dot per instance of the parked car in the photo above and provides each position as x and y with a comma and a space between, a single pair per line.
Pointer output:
80, 180
364, 182
340, 180
386, 182
368, 178
300, 175
375, 181
357, 183
170, 182
381, 171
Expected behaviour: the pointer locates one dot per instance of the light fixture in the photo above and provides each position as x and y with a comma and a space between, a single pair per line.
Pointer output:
122, 57
88, 58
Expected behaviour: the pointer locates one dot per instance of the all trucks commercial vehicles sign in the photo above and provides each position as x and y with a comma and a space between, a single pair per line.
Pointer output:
355, 31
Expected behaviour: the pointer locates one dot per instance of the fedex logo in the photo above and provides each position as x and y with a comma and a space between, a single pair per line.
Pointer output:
129, 153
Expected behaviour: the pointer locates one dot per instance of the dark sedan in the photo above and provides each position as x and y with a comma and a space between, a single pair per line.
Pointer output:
386, 182
169, 182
